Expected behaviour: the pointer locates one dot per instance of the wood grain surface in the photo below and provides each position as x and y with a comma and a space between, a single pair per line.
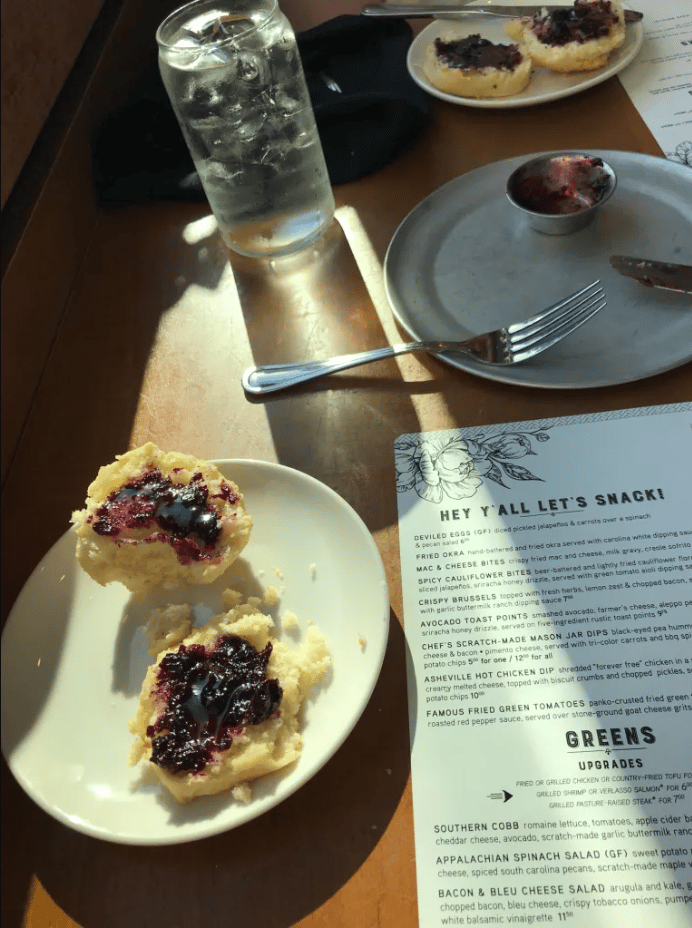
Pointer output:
158, 325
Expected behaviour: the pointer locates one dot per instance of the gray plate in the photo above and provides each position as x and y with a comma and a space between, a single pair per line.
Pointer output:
464, 261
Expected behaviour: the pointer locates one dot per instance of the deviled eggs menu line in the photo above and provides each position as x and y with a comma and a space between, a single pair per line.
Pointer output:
547, 580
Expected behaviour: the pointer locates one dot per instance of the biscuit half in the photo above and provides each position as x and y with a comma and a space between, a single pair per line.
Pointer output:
583, 54
160, 519
458, 66
256, 749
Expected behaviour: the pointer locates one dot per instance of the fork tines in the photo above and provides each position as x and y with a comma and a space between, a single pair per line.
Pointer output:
553, 324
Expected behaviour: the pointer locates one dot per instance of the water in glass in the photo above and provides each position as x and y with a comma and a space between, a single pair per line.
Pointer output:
235, 80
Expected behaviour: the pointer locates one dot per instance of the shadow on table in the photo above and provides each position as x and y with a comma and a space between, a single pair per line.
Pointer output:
341, 431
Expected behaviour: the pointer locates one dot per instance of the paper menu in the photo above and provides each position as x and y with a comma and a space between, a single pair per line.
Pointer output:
659, 80
547, 581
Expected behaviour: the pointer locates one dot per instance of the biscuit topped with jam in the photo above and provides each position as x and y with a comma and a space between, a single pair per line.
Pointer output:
157, 519
577, 38
472, 66
221, 706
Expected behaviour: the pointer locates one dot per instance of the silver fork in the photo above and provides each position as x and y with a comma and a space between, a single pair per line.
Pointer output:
517, 342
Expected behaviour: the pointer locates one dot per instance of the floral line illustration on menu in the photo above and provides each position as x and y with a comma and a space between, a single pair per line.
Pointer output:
682, 153
456, 467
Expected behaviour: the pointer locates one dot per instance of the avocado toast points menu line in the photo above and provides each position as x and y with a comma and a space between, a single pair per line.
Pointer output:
547, 586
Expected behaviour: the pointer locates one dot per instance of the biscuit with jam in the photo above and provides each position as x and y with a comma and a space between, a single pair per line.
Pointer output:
157, 519
223, 707
578, 38
475, 67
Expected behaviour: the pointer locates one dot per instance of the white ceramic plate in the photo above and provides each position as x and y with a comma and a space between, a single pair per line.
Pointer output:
544, 86
465, 261
72, 668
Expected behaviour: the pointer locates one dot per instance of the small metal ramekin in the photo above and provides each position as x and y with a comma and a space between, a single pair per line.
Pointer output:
560, 192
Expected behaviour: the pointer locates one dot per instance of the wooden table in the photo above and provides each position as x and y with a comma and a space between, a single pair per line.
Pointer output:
158, 329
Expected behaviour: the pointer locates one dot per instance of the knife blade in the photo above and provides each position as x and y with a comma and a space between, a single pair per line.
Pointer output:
660, 274
413, 11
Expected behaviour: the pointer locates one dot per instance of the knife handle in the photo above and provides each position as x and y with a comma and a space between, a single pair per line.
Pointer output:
411, 11
376, 9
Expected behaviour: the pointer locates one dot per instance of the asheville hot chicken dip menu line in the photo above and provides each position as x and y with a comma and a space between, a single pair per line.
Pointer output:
547, 582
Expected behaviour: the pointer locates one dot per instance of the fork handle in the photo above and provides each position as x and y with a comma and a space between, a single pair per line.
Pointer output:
272, 377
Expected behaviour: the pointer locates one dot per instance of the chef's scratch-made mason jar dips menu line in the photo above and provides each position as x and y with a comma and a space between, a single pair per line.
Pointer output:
235, 80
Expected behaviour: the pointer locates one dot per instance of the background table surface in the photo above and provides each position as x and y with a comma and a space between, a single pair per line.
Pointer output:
158, 328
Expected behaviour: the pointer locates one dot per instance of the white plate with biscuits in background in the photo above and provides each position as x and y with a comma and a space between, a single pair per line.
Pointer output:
75, 655
544, 85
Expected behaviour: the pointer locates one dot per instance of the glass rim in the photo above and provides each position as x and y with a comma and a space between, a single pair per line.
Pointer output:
253, 26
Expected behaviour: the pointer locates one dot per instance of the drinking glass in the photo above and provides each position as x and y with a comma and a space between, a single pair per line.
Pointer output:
235, 80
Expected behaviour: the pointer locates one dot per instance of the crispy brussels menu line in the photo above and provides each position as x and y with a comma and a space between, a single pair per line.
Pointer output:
547, 581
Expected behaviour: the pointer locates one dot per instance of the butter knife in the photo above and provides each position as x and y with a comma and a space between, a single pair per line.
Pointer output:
660, 274
412, 11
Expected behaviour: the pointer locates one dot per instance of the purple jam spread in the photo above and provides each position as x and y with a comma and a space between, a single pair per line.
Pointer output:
210, 697
534, 195
181, 511
572, 185
581, 23
474, 53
